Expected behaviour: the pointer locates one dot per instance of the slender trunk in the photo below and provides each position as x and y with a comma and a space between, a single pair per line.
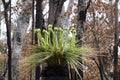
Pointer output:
39, 15
40, 25
33, 36
33, 6
116, 42
8, 27
0, 22
37, 73
9, 45
116, 22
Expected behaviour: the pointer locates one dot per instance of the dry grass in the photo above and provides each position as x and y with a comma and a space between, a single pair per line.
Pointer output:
91, 73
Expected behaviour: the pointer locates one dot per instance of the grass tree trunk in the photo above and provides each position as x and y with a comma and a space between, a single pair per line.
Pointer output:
55, 72
82, 11
40, 25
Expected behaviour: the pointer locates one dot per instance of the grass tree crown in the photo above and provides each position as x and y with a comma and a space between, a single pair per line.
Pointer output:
55, 51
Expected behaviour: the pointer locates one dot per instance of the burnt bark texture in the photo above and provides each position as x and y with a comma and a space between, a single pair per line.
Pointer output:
55, 8
116, 42
82, 11
55, 73
8, 27
33, 21
39, 25
115, 62
39, 15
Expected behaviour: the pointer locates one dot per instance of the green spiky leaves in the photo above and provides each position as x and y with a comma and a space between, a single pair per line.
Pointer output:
57, 47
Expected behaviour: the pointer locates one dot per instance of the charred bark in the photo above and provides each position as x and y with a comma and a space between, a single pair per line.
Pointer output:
82, 11
117, 42
8, 27
39, 24
33, 20
115, 62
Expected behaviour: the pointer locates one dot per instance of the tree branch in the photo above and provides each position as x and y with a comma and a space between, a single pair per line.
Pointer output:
6, 4
3, 1
88, 5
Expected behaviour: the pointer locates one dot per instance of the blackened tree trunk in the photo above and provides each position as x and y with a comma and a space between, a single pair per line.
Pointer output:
33, 21
55, 8
82, 11
115, 62
40, 25
33, 35
39, 15
8, 27
116, 42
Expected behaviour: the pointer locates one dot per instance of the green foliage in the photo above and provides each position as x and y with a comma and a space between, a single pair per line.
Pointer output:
56, 51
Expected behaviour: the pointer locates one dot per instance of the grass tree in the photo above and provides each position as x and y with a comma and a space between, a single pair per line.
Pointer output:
57, 52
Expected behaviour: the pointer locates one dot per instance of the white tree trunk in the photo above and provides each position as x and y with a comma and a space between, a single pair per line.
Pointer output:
20, 31
64, 20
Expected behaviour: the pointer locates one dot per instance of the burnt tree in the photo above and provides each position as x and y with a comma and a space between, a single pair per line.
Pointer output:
82, 10
40, 25
116, 42
8, 27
